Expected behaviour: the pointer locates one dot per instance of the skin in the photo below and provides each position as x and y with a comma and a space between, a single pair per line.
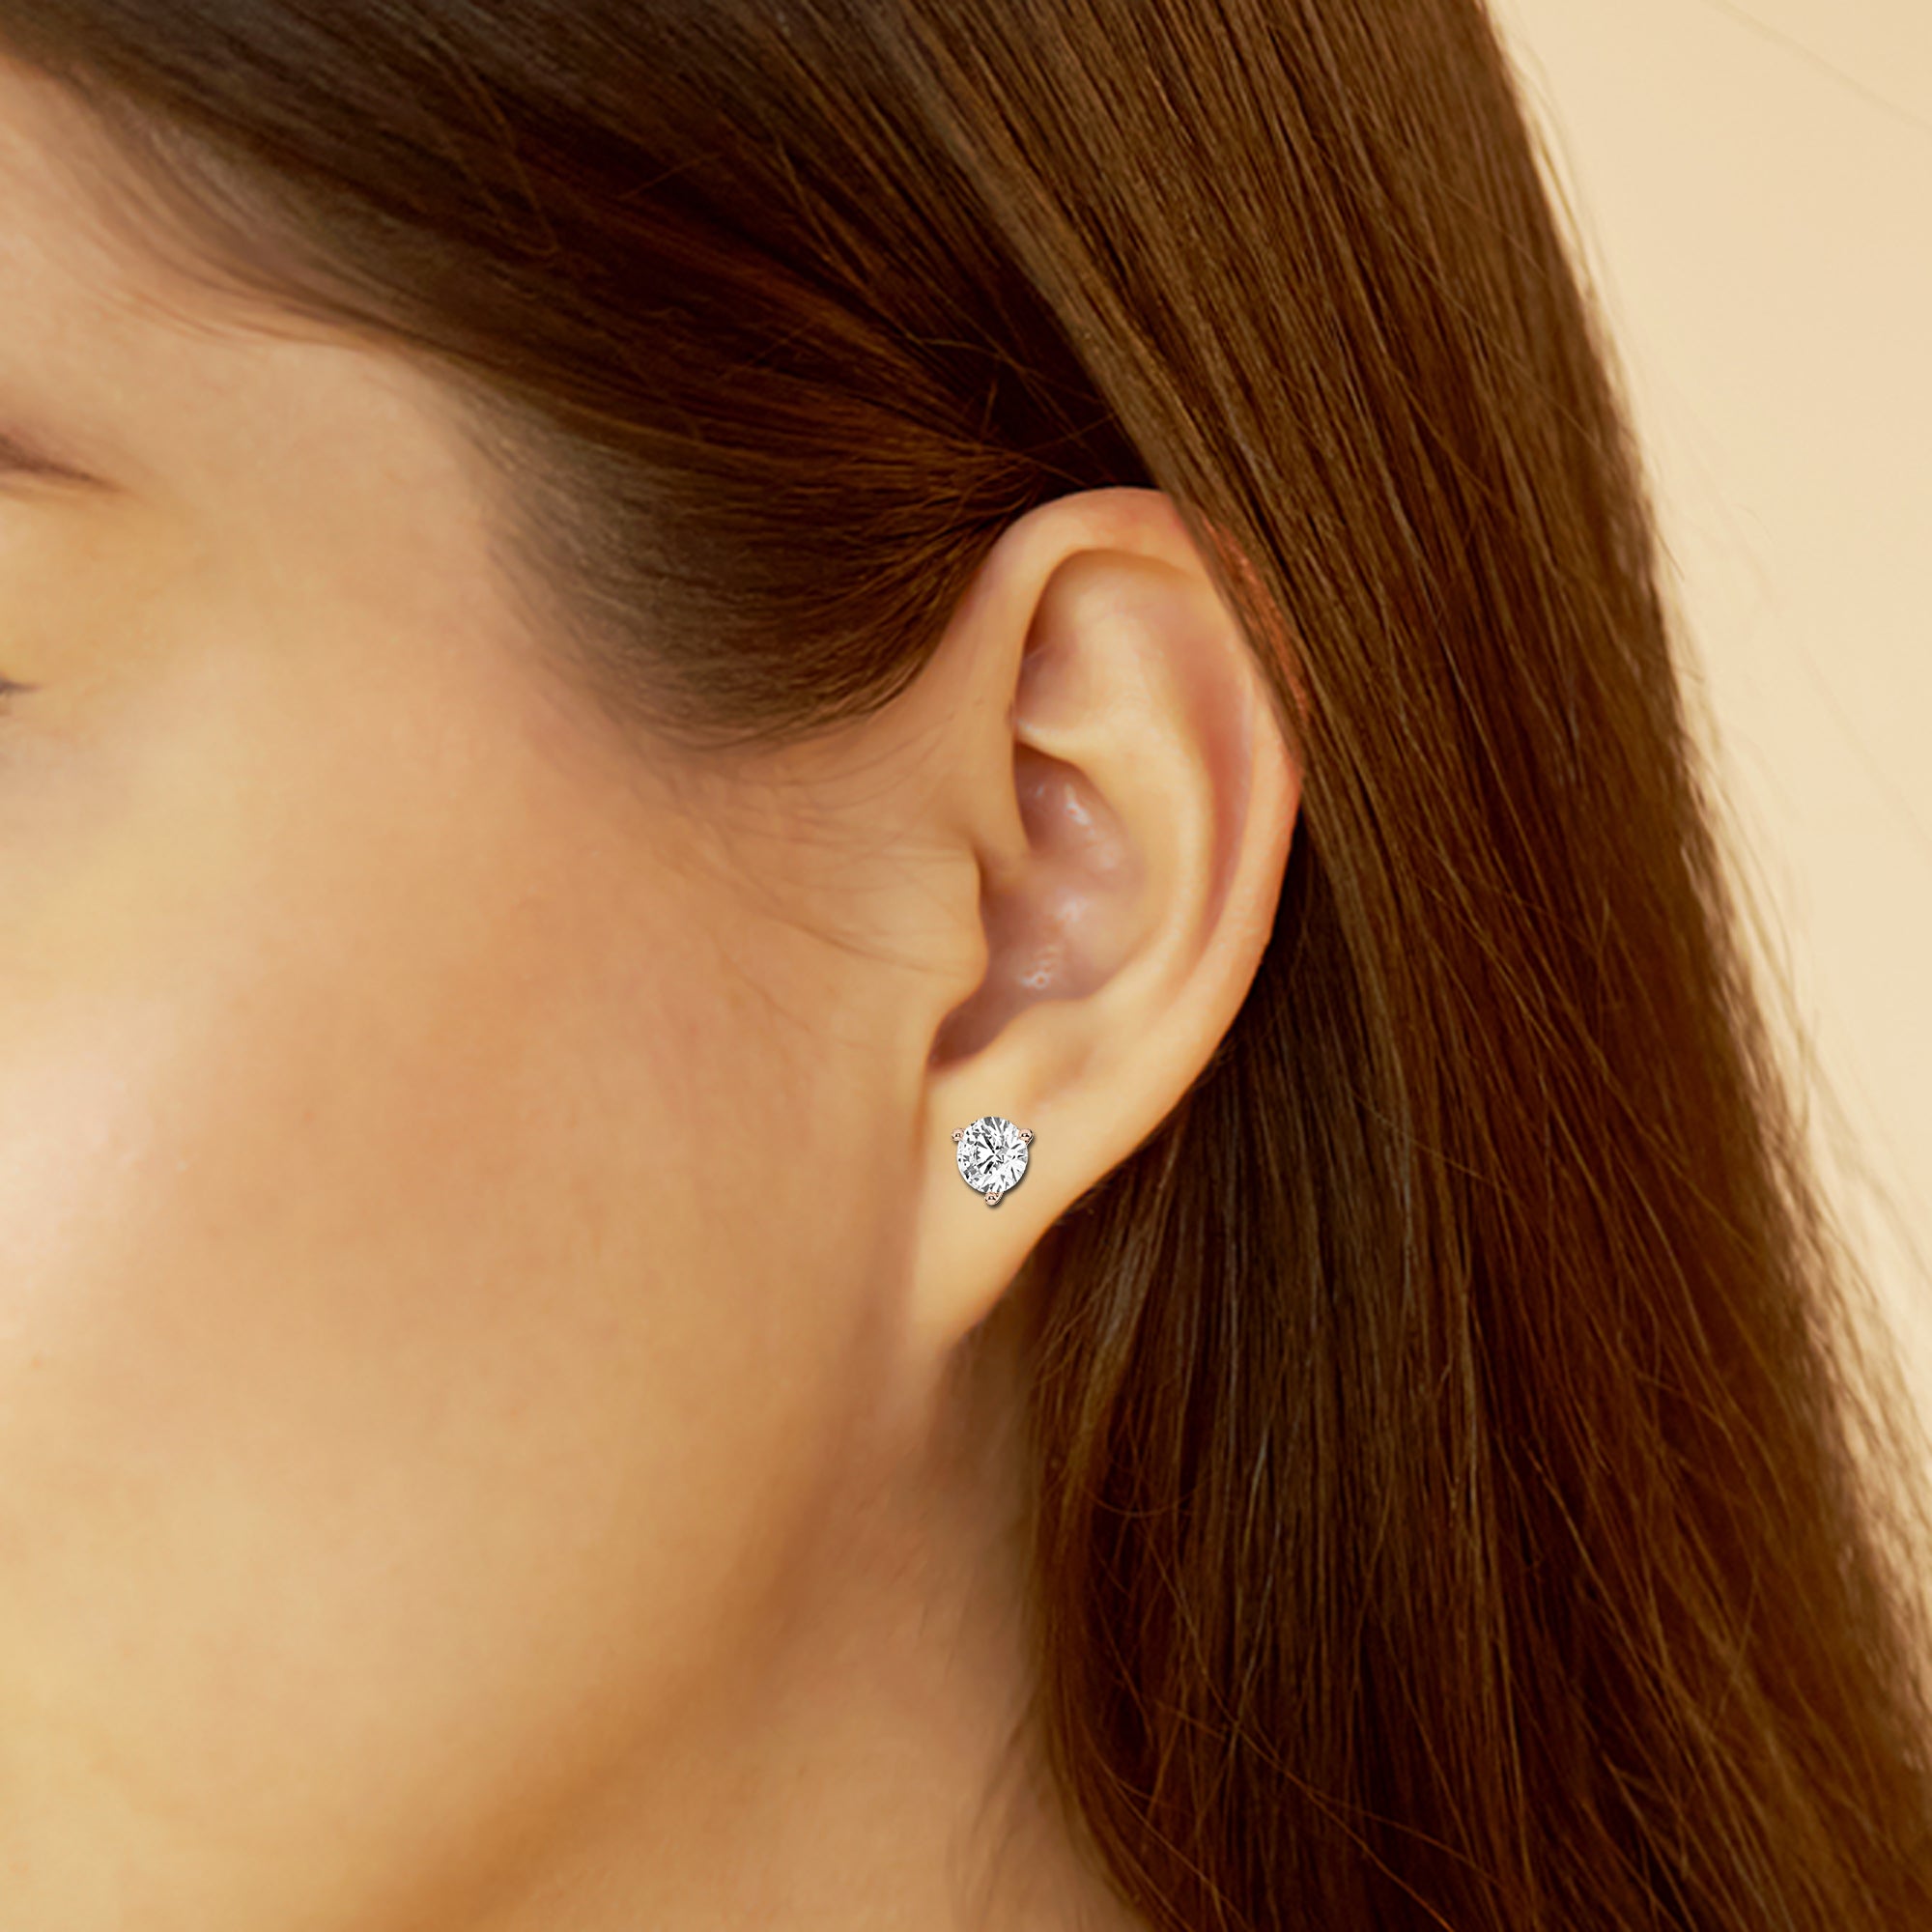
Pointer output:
489, 1433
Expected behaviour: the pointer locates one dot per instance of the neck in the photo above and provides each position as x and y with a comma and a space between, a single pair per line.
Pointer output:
873, 1767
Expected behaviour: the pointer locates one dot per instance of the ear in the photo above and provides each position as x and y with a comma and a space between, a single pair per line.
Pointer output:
1116, 760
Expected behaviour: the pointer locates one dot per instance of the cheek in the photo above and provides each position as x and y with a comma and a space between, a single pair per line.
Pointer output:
401, 1381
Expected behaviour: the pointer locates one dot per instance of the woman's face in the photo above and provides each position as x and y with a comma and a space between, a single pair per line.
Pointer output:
439, 1206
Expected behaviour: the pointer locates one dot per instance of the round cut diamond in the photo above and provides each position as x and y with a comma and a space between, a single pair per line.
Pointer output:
992, 1155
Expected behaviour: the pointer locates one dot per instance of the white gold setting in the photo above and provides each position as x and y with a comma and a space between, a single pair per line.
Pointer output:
992, 1155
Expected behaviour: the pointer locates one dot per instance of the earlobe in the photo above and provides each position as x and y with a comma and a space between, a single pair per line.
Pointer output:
1136, 816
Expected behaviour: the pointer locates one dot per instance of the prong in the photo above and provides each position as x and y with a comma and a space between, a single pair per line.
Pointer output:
957, 1132
992, 1197
1026, 1134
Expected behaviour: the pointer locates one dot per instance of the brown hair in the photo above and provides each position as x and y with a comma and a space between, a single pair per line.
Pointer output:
1455, 1428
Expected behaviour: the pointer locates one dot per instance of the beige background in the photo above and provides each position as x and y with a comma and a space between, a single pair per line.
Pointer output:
1751, 183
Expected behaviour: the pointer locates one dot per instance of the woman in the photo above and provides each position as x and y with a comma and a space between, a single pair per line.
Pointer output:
870, 1050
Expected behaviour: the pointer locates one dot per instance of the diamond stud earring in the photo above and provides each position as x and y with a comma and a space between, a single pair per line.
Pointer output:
992, 1155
